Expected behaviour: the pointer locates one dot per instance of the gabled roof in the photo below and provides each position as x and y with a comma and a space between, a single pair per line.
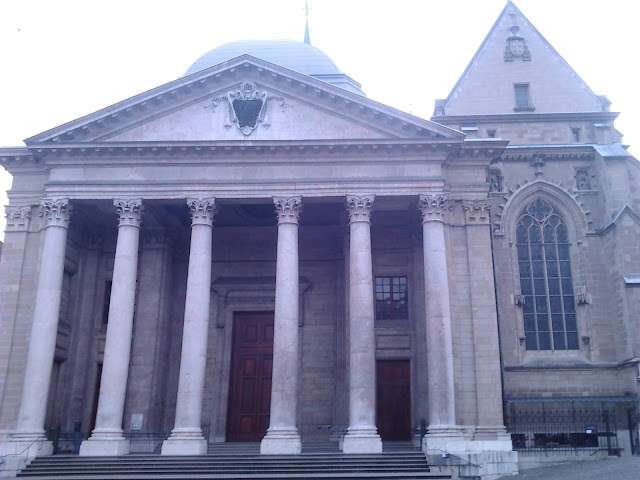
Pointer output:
515, 52
334, 102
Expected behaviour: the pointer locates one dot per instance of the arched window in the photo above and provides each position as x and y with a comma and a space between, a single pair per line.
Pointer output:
545, 279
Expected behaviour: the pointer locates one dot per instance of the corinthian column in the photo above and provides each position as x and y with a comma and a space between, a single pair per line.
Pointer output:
107, 439
362, 434
442, 417
44, 329
282, 436
186, 437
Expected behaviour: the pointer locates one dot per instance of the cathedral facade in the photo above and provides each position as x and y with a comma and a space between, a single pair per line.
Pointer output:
257, 252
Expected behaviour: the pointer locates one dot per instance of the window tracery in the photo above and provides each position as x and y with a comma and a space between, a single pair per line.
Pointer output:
546, 283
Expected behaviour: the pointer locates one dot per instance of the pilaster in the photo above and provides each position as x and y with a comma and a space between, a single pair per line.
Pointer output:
28, 438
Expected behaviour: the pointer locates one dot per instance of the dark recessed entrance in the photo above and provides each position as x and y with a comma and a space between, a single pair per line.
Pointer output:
250, 382
393, 399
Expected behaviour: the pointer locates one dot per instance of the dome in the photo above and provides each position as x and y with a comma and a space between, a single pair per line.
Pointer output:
298, 56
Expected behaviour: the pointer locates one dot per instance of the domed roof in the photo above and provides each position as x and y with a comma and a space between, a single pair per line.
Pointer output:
297, 56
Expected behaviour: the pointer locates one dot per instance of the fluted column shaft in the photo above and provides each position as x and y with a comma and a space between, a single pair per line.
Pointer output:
438, 316
44, 329
282, 436
362, 434
107, 438
186, 437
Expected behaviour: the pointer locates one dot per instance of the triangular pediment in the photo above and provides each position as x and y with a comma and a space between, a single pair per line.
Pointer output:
515, 53
207, 106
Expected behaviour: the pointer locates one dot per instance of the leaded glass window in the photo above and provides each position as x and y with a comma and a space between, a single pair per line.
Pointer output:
545, 279
391, 298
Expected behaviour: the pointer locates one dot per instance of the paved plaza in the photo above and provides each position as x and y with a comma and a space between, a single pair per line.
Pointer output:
625, 468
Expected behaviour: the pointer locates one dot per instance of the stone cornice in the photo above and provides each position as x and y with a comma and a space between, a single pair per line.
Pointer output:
173, 149
145, 152
528, 117
546, 156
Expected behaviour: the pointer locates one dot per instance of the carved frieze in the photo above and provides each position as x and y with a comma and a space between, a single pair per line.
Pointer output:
433, 206
202, 210
18, 218
359, 208
476, 212
56, 212
288, 209
129, 211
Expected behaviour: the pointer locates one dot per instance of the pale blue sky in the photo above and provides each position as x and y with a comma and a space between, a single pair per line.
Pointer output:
66, 58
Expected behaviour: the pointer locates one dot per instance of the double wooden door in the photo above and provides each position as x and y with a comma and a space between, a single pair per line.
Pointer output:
250, 381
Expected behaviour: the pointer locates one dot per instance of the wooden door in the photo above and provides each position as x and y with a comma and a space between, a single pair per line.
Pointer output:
250, 381
393, 399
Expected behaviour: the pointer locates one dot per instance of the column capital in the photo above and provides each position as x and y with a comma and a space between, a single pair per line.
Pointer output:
202, 210
129, 210
432, 206
56, 211
17, 218
288, 209
476, 212
359, 208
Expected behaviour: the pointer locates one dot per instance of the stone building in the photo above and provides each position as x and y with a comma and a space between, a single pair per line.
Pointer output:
467, 272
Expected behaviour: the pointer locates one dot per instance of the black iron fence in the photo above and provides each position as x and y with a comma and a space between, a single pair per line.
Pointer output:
567, 430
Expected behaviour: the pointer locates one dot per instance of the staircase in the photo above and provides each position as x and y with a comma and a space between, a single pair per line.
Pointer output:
239, 461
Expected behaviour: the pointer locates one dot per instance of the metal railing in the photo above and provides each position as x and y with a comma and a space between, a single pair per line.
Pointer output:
568, 430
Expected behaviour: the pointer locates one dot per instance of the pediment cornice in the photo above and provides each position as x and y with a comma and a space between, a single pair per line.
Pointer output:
172, 96
189, 150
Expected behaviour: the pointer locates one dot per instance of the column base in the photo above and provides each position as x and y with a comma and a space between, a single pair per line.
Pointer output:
281, 441
362, 440
185, 442
18, 450
105, 444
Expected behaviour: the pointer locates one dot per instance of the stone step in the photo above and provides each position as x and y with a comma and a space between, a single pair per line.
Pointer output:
402, 465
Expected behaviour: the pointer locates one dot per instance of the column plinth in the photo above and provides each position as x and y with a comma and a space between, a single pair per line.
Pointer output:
107, 438
362, 434
186, 437
282, 435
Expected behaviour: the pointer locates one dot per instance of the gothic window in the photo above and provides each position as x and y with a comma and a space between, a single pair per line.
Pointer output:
391, 298
545, 279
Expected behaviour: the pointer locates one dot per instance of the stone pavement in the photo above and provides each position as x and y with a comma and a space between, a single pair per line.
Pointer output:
624, 468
